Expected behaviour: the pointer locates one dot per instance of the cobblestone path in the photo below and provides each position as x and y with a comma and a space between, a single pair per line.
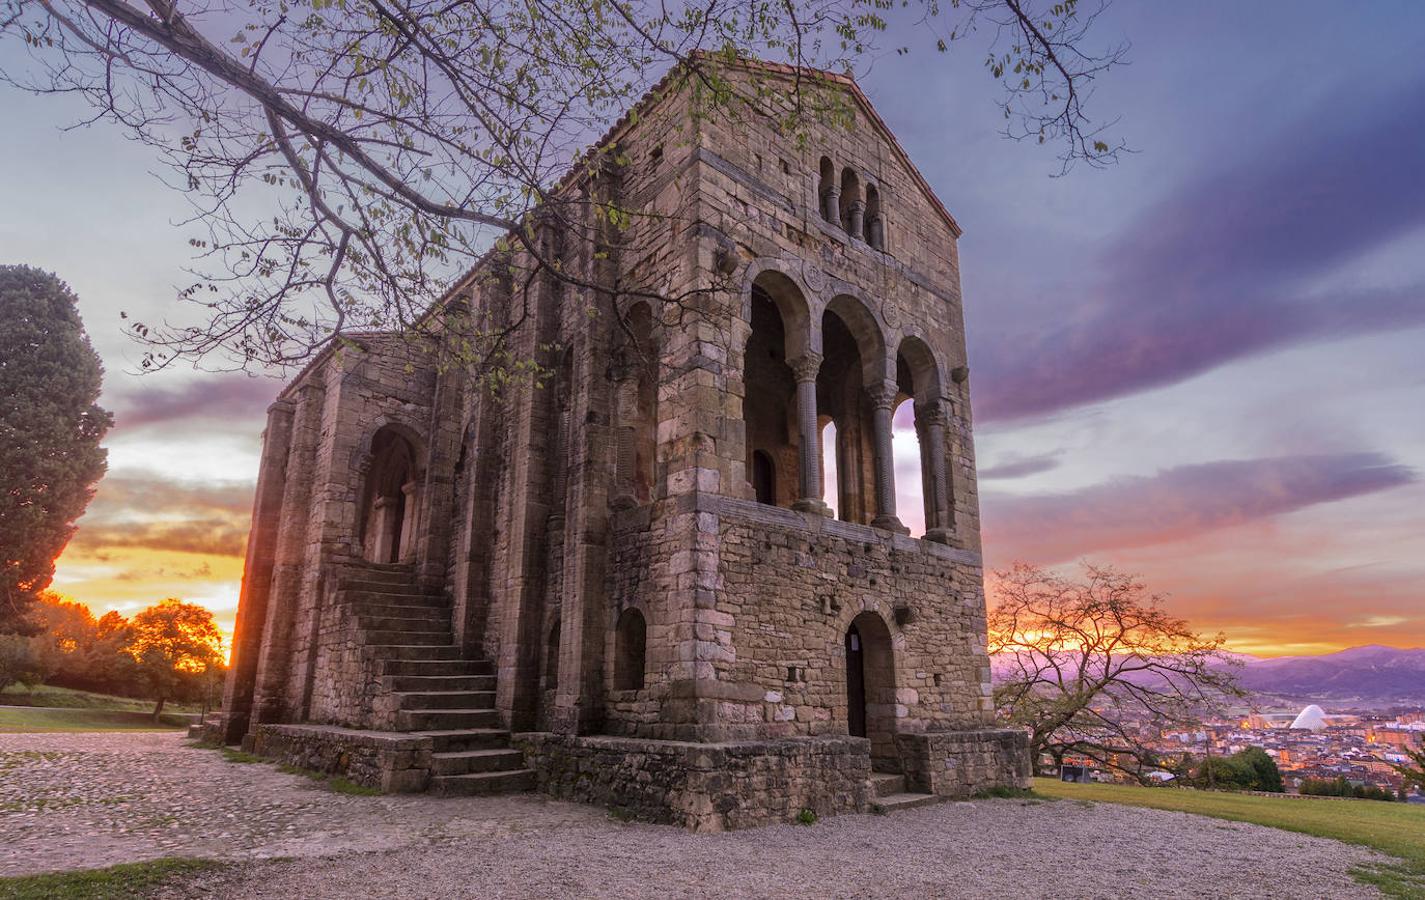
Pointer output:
84, 800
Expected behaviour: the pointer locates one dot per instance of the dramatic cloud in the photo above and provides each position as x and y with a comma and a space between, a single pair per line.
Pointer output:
1175, 504
154, 514
1224, 267
1021, 466
229, 397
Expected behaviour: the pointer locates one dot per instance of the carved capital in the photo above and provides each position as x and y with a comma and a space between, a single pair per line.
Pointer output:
806, 366
930, 414
883, 394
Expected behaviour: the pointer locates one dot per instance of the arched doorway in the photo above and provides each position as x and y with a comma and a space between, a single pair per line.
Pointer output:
871, 687
390, 499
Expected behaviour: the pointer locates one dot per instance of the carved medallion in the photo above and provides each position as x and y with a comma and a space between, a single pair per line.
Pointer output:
890, 314
814, 277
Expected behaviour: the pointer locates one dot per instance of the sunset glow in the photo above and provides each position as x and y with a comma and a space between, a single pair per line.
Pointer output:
1186, 366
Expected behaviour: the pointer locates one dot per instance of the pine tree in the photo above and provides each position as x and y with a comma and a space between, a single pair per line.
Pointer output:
50, 428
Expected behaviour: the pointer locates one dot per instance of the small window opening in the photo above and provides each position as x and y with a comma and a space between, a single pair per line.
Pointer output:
764, 478
630, 649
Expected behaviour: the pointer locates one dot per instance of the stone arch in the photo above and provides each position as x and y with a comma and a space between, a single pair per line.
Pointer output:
855, 312
853, 365
630, 650
778, 316
871, 686
777, 280
390, 496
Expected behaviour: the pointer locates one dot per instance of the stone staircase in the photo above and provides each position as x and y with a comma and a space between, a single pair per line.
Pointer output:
891, 793
439, 693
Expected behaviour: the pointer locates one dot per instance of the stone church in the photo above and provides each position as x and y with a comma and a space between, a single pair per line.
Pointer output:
627, 579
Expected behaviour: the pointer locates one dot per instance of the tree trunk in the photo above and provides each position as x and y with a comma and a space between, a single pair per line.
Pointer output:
157, 710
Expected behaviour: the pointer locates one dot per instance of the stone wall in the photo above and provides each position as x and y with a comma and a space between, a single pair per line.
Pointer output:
791, 586
961, 764
704, 787
388, 761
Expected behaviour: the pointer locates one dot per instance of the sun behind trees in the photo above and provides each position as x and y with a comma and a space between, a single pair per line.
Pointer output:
169, 651
1083, 663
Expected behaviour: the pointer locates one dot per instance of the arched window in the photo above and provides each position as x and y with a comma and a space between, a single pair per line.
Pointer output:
826, 192
551, 658
764, 478
875, 224
630, 646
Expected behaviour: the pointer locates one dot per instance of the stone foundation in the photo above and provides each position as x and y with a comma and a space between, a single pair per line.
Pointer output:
960, 764
704, 787
389, 761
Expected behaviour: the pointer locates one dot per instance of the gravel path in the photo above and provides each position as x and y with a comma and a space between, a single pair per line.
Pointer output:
79, 800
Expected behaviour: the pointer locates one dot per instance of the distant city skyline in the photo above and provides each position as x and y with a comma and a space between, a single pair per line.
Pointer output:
1202, 364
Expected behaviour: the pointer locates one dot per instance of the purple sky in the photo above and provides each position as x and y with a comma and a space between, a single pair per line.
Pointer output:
1206, 364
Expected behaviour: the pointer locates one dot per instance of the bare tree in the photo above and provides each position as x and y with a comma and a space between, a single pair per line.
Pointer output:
347, 159
1089, 665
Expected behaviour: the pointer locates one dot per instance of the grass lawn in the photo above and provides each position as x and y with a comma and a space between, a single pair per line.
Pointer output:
1394, 828
128, 880
23, 719
51, 695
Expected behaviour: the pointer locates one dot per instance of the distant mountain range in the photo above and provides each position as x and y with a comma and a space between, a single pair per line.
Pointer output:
1372, 672
1371, 675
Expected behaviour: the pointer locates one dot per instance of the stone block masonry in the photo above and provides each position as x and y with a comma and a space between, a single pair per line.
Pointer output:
391, 762
704, 787
638, 562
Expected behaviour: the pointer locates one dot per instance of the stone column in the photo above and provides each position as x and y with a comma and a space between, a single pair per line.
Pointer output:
385, 515
257, 572
407, 551
831, 205
858, 213
930, 424
809, 500
883, 399
876, 233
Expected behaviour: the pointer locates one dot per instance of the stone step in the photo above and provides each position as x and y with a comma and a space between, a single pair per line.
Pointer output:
894, 802
379, 582
483, 783
413, 652
383, 585
358, 600
423, 638
445, 699
391, 593
376, 624
462, 739
439, 614
422, 683
884, 784
463, 762
436, 666
445, 719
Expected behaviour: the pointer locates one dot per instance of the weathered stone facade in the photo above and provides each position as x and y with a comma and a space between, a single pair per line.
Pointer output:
628, 561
